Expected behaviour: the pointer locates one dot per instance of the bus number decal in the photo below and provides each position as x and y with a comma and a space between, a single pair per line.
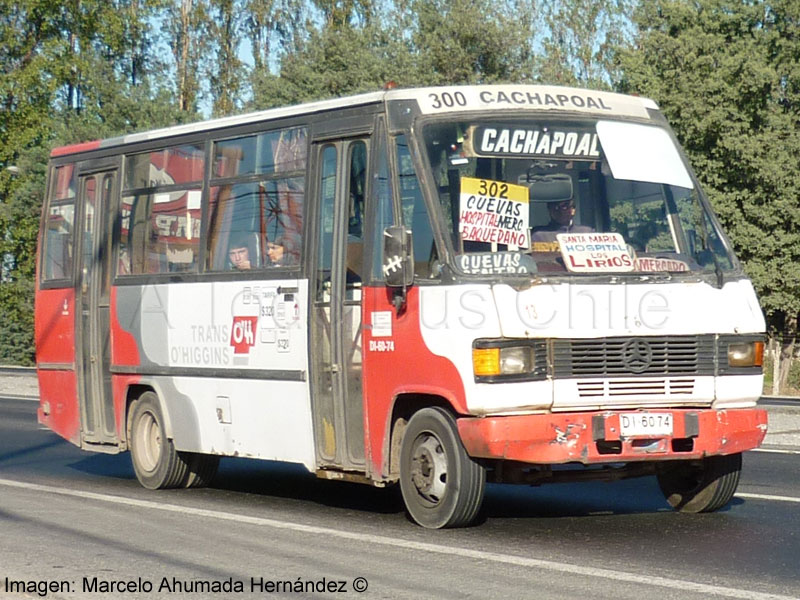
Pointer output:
448, 100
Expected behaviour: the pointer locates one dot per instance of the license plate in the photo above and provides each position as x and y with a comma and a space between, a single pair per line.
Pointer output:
645, 424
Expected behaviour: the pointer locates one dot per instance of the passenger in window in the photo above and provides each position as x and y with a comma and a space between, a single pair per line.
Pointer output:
283, 251
239, 253
276, 251
562, 220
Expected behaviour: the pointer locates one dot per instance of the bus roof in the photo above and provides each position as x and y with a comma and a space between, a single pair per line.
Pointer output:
431, 100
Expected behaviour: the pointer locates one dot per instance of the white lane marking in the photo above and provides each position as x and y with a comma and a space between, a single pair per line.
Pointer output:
767, 497
480, 555
775, 450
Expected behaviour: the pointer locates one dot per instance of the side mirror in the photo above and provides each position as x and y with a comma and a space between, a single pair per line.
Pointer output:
398, 257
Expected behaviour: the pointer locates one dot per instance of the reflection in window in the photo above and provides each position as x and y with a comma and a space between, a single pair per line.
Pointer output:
382, 199
415, 213
265, 153
159, 233
357, 184
58, 241
637, 211
325, 241
89, 201
168, 166
703, 239
65, 183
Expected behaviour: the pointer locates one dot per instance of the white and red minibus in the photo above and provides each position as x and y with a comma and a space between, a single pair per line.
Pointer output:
435, 287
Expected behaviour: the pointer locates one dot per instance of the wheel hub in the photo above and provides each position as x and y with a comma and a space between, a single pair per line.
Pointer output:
150, 442
429, 468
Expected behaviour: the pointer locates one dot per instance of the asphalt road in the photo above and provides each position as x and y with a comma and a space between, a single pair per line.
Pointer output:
81, 521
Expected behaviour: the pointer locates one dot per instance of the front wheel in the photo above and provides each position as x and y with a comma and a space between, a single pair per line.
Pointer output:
706, 485
441, 485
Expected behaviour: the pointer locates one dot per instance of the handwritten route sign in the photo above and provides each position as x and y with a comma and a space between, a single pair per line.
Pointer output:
595, 252
494, 211
646, 263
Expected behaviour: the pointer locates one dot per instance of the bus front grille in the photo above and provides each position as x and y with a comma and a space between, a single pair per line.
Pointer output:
627, 357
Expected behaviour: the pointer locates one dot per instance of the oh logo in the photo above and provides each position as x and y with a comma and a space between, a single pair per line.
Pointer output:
243, 334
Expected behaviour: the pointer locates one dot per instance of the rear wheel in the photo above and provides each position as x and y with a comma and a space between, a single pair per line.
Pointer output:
201, 469
706, 485
156, 462
441, 485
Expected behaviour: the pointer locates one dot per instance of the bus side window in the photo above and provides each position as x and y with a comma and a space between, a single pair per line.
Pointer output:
160, 211
59, 225
256, 200
415, 214
162, 229
58, 242
233, 227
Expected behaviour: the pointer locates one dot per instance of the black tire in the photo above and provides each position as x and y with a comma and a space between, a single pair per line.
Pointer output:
441, 485
695, 486
155, 460
201, 469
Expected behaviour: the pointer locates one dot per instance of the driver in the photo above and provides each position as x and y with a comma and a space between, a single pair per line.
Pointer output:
562, 220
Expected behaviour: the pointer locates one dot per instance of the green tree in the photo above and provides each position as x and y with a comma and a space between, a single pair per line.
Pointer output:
187, 23
226, 73
350, 52
726, 74
470, 41
31, 46
361, 46
273, 26
580, 39
69, 72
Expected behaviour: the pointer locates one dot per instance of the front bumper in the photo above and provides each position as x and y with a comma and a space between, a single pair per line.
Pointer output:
593, 437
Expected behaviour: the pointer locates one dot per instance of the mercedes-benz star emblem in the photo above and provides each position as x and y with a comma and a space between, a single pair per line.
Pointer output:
637, 355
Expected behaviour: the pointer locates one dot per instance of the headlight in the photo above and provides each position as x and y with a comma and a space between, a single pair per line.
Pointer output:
516, 360
746, 354
504, 360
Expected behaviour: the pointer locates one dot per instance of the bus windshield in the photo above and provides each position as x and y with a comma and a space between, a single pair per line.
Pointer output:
573, 196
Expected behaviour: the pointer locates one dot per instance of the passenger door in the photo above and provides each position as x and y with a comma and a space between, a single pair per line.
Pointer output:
336, 298
96, 192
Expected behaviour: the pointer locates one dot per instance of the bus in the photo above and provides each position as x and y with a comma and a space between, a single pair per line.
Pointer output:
432, 287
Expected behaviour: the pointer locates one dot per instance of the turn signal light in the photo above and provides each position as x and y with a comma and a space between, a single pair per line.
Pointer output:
502, 360
486, 361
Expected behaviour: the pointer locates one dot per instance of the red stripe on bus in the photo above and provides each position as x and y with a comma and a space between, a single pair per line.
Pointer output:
75, 148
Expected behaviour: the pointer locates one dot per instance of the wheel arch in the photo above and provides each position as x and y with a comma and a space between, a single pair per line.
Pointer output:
133, 392
403, 408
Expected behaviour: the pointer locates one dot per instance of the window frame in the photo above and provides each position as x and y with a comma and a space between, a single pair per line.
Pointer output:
68, 281
257, 178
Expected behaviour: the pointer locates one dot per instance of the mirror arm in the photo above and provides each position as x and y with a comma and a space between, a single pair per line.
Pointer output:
399, 298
